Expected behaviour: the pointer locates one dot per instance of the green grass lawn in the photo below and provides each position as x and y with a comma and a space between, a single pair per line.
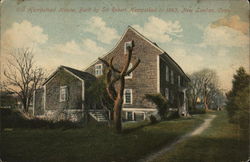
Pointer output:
222, 142
92, 143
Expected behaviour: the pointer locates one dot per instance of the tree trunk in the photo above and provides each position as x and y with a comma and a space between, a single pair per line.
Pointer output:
118, 106
25, 107
205, 103
205, 97
117, 114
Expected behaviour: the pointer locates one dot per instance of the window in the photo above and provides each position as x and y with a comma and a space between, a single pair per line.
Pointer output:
126, 45
167, 73
139, 116
167, 93
129, 116
171, 96
127, 96
130, 75
98, 69
179, 80
172, 77
63, 93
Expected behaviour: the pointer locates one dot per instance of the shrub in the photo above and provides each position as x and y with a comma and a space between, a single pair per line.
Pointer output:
161, 103
197, 111
153, 119
15, 119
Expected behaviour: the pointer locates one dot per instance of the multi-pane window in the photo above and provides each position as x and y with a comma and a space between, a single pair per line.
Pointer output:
167, 73
172, 77
167, 93
129, 116
63, 93
128, 96
130, 74
98, 69
179, 80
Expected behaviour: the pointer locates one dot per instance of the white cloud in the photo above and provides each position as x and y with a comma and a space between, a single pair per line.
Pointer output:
23, 35
90, 46
160, 30
76, 54
224, 36
87, 47
99, 28
70, 47
187, 61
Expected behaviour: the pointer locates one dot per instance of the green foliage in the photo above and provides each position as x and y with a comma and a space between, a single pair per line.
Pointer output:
14, 119
238, 98
7, 100
160, 102
97, 95
241, 116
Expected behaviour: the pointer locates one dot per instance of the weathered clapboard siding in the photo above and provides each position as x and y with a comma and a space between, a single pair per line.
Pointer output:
74, 87
150, 76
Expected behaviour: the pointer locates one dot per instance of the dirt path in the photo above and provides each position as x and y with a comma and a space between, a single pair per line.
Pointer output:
164, 150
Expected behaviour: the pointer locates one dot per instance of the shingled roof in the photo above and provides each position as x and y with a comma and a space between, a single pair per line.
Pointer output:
79, 74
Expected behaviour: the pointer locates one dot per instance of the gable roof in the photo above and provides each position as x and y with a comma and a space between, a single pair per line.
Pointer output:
163, 53
81, 75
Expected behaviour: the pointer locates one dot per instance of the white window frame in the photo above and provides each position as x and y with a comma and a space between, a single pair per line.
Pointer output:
131, 74
172, 77
167, 93
65, 94
125, 46
132, 115
98, 72
179, 80
167, 73
131, 96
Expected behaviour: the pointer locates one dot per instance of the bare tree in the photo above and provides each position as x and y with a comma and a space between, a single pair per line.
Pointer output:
22, 76
204, 84
194, 89
115, 91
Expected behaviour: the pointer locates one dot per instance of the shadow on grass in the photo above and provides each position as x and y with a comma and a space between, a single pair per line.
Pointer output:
136, 127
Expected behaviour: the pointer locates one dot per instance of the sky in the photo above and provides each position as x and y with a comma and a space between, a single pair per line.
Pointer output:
197, 34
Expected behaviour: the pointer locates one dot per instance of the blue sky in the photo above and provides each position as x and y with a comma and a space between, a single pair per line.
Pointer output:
213, 34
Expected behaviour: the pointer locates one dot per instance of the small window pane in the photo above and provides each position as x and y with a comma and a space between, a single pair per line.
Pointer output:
172, 77
179, 80
63, 93
128, 96
167, 73
129, 116
167, 93
98, 69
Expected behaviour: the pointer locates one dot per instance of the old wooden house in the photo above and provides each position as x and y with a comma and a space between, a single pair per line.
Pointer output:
157, 73
62, 95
